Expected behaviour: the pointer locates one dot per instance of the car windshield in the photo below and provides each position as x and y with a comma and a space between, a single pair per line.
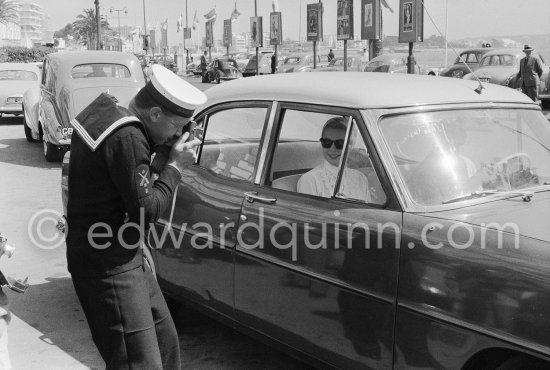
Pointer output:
499, 60
100, 70
13, 74
446, 155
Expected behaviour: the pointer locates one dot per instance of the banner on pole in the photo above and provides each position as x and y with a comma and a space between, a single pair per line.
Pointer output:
314, 22
275, 29
256, 32
227, 36
371, 20
187, 32
209, 34
411, 21
344, 20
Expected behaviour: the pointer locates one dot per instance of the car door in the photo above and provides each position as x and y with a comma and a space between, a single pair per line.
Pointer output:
195, 258
319, 273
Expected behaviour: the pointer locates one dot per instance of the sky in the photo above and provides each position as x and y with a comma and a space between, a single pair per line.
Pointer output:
466, 18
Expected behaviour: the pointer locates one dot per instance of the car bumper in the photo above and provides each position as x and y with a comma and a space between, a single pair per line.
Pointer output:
15, 108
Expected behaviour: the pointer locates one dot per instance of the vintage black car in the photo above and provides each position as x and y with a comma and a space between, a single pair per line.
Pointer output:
222, 69
410, 233
466, 62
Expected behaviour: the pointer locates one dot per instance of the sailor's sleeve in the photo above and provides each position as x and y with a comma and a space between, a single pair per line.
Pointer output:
128, 161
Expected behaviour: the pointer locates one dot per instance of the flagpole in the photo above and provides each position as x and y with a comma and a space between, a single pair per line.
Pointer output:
185, 30
257, 49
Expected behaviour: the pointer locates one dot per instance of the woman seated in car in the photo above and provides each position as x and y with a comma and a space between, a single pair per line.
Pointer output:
321, 180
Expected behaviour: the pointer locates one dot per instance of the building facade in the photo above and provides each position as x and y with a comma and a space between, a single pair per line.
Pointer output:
31, 21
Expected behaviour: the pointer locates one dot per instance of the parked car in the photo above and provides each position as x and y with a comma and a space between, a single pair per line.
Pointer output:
71, 81
15, 79
466, 62
301, 63
442, 265
222, 69
337, 65
390, 63
500, 66
193, 68
265, 64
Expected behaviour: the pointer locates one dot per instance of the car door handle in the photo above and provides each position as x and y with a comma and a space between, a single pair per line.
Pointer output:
251, 196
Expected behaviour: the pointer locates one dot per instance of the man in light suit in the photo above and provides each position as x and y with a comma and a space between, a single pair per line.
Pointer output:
530, 71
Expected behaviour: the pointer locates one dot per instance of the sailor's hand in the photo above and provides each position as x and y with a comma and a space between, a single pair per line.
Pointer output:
182, 154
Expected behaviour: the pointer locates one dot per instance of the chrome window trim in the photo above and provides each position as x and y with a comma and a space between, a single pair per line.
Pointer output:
266, 138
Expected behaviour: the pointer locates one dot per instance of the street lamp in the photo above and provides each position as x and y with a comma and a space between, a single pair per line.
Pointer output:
118, 12
98, 26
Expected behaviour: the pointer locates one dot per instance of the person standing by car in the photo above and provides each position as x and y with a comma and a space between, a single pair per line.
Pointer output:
203, 66
112, 200
330, 55
530, 71
273, 63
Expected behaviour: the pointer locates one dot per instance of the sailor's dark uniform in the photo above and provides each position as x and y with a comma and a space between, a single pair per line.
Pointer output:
112, 199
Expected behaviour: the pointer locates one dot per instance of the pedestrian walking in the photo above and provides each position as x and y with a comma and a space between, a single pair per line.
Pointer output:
530, 71
203, 66
330, 55
113, 200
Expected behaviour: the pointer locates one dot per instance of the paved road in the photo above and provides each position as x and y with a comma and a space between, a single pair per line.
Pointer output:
48, 330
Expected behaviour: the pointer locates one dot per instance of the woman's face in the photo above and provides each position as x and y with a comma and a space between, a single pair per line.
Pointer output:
332, 154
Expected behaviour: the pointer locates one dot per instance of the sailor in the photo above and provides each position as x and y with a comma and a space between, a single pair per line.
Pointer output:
112, 201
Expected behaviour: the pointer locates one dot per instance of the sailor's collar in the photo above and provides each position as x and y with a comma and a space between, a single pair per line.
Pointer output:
100, 119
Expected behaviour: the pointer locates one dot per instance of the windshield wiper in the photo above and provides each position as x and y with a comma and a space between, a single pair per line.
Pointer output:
525, 195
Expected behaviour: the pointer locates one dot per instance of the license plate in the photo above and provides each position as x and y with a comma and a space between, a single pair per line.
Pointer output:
15, 100
484, 79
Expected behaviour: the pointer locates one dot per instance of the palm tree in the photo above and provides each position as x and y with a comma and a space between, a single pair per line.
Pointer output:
85, 28
8, 11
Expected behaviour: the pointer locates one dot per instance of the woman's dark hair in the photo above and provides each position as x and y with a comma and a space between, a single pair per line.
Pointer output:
335, 122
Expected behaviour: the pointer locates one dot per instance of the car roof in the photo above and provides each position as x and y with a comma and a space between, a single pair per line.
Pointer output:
505, 51
72, 58
361, 90
20, 67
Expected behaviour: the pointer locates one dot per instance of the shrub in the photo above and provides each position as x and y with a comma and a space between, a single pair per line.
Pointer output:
17, 54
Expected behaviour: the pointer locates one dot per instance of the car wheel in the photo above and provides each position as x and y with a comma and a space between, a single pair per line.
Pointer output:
51, 152
28, 131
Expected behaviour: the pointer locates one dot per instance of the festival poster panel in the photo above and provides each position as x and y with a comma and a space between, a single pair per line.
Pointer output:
344, 20
256, 32
411, 21
314, 22
227, 35
371, 16
209, 35
275, 29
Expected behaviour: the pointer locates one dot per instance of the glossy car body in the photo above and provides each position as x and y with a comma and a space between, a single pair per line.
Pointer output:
337, 65
15, 80
467, 61
301, 63
223, 69
390, 63
379, 282
265, 64
69, 85
501, 66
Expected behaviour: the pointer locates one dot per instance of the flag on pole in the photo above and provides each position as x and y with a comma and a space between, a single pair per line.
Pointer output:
164, 24
385, 3
211, 15
235, 14
195, 21
275, 5
179, 23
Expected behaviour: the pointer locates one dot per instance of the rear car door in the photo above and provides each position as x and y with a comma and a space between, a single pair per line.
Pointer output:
319, 273
195, 259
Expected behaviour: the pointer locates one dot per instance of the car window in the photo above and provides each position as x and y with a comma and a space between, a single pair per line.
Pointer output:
231, 142
308, 157
100, 70
14, 74
358, 167
445, 155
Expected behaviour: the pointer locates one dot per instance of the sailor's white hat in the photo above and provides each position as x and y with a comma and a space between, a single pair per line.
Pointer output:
173, 93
